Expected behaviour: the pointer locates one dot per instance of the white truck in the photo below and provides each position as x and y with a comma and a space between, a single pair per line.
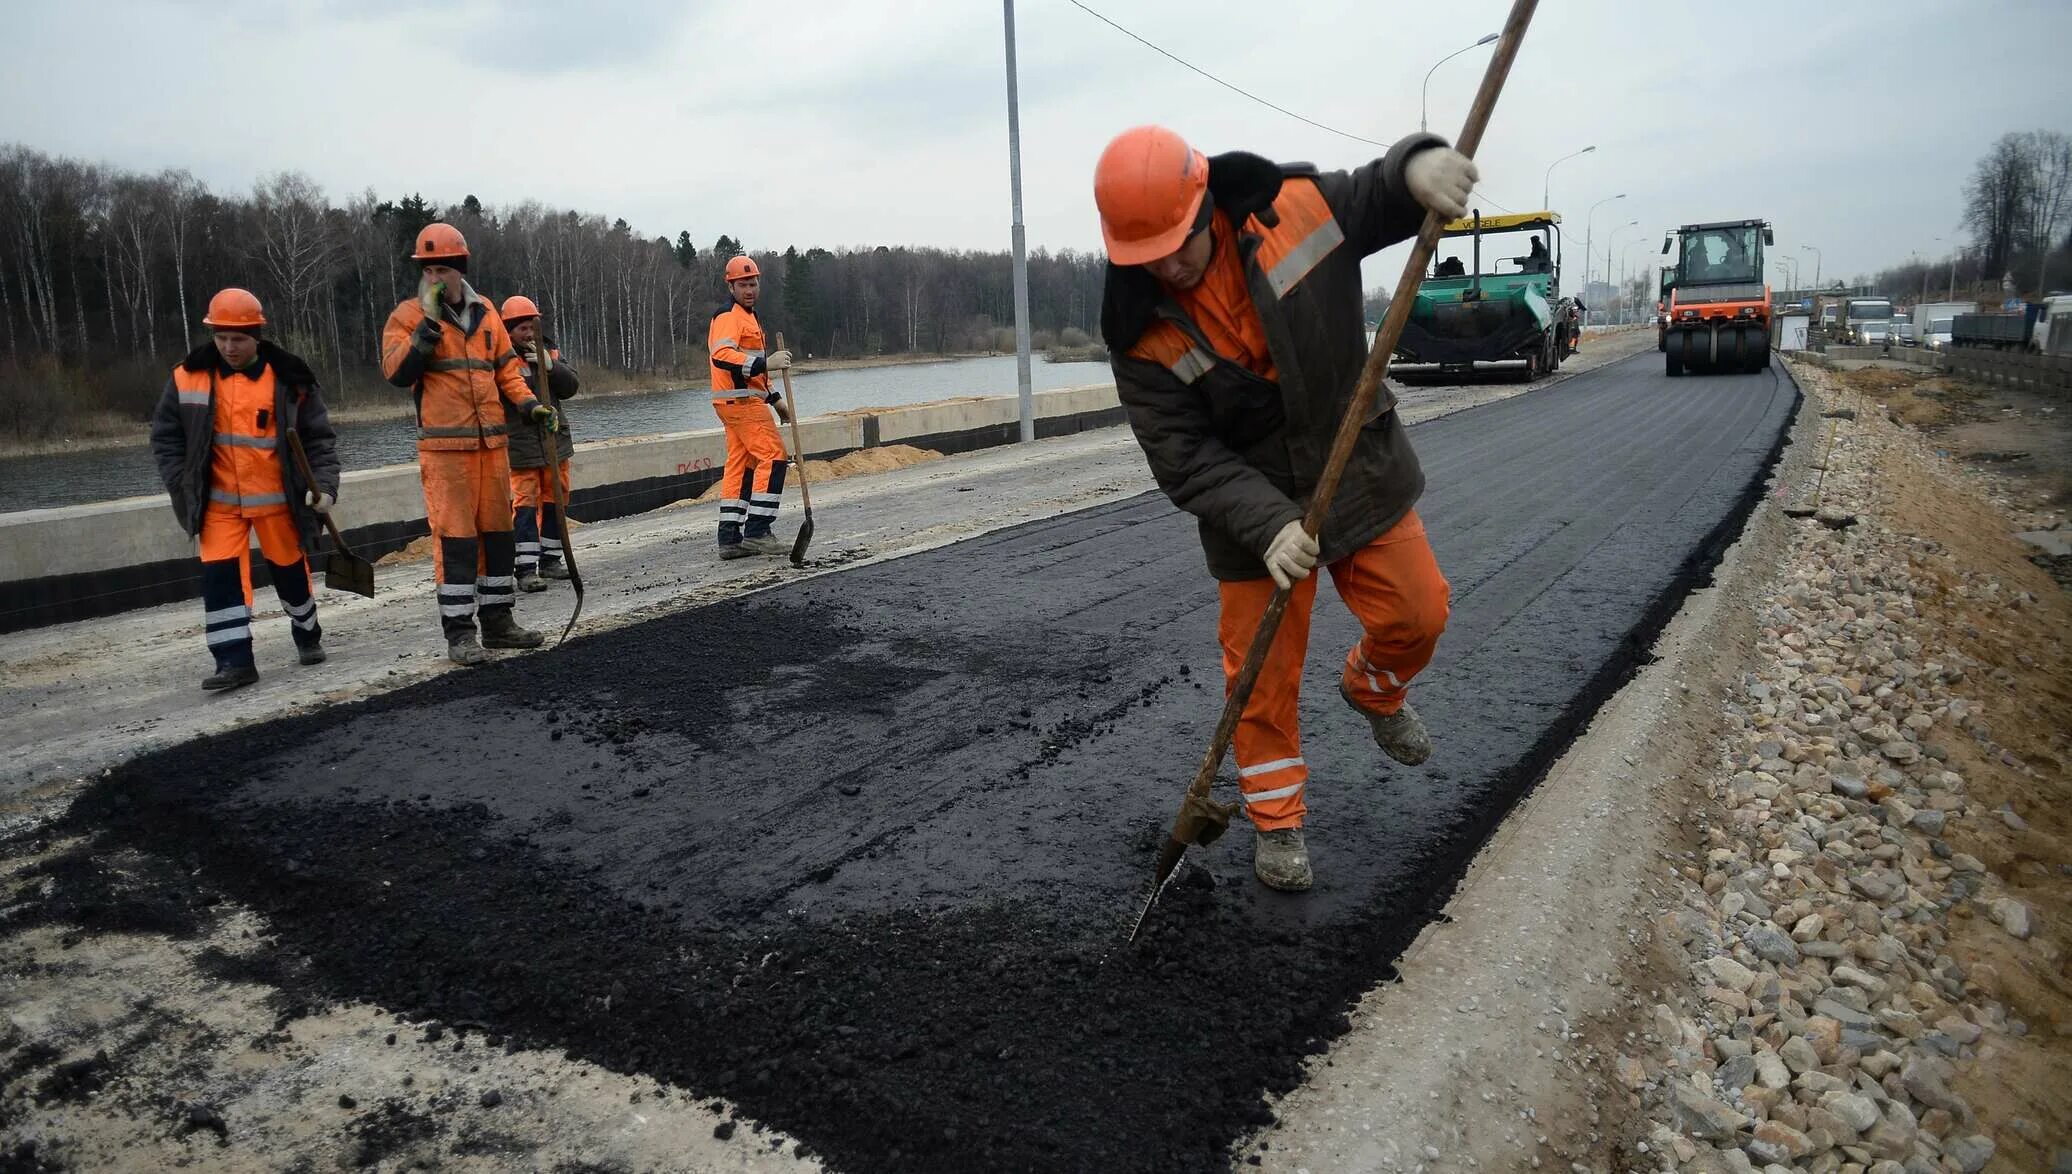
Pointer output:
1932, 322
1864, 321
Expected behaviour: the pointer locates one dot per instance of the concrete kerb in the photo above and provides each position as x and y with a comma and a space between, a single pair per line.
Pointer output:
80, 562
1471, 1053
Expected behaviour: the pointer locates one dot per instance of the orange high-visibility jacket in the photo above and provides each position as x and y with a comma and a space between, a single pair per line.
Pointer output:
461, 378
244, 468
736, 341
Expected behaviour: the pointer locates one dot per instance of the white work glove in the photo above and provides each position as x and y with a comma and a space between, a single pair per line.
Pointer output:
1441, 179
777, 361
318, 500
1291, 555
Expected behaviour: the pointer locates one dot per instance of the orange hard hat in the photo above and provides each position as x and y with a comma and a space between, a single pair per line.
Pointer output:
234, 309
440, 242
1149, 187
517, 308
742, 267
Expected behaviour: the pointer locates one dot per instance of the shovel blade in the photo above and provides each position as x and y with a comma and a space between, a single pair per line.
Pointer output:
798, 544
345, 571
1169, 854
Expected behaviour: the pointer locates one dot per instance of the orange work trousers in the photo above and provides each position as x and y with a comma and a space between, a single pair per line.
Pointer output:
1394, 588
467, 499
752, 483
226, 533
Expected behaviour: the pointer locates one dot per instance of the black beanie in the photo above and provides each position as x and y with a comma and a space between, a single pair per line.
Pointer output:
460, 263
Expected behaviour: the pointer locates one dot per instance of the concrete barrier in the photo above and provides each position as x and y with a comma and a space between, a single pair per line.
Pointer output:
77, 562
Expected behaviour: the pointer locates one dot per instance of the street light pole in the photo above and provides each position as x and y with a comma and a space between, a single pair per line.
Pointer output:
1588, 256
1546, 183
1024, 397
1816, 263
1611, 241
1488, 40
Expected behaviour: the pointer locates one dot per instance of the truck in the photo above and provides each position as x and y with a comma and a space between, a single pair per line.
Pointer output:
1719, 305
2000, 332
1863, 321
1481, 307
1932, 321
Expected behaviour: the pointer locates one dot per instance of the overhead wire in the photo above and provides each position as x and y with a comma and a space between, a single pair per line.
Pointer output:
1167, 53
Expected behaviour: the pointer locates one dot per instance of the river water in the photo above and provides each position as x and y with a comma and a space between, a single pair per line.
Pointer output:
74, 478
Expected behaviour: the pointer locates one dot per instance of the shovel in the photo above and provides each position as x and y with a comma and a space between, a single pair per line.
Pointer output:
550, 447
798, 462
343, 570
1201, 819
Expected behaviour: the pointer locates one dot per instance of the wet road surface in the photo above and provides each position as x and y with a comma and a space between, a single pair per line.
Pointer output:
856, 853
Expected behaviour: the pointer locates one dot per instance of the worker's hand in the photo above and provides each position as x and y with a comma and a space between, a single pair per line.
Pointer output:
536, 358
1441, 179
778, 360
318, 500
428, 295
783, 413
1291, 555
543, 416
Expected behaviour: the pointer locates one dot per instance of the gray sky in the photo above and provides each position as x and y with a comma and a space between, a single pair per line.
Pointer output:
1850, 125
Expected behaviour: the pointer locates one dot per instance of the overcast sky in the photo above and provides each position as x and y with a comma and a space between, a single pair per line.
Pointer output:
843, 122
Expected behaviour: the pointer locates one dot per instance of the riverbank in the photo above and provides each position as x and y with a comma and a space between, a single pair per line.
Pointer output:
108, 430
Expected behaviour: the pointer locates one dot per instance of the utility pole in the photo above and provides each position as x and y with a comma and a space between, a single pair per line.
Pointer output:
1025, 398
1816, 264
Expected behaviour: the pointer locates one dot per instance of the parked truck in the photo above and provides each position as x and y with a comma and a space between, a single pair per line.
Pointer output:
1932, 321
1863, 321
2000, 332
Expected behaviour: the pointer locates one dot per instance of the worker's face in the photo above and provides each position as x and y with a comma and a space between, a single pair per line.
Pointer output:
746, 291
446, 275
1183, 267
523, 333
237, 348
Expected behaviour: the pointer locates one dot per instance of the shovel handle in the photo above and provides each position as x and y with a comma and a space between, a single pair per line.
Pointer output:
798, 450
309, 481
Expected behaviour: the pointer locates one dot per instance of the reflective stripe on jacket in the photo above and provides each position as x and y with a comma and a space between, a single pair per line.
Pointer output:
462, 378
244, 472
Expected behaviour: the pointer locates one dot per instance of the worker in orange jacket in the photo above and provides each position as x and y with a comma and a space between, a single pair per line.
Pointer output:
537, 514
219, 436
449, 347
752, 483
1232, 315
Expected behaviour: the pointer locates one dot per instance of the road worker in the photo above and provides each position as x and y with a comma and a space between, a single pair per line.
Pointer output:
449, 347
1233, 312
752, 483
536, 515
219, 435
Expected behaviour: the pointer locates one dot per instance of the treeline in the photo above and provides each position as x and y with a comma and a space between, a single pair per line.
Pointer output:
2018, 212
105, 273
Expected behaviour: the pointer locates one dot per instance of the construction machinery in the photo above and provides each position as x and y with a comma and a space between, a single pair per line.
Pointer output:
1718, 303
1493, 299
1667, 278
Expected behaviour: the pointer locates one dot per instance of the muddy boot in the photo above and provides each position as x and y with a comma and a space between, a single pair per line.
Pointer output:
735, 550
765, 544
1281, 860
465, 649
232, 676
554, 569
311, 654
500, 630
529, 581
1401, 735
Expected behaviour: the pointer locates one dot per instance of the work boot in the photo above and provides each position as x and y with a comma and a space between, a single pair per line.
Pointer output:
231, 677
529, 581
765, 544
735, 550
311, 654
1401, 735
465, 649
1281, 860
500, 630
555, 569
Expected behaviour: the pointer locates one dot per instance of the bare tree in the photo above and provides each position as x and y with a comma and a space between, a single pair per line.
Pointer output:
1997, 197
295, 244
2050, 195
